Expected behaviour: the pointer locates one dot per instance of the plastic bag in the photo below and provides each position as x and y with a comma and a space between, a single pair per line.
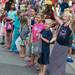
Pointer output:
18, 44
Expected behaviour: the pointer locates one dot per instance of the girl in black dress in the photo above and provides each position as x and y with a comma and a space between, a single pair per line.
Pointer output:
44, 57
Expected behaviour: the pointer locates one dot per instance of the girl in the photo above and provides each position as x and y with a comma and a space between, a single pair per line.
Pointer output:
23, 35
15, 32
35, 40
12, 12
44, 57
10, 18
59, 52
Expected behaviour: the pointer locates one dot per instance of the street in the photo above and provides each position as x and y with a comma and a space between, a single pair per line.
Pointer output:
11, 64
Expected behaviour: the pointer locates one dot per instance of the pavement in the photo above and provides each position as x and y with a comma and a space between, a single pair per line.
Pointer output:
11, 64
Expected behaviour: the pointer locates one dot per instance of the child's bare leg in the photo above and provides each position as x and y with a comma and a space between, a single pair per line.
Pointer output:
44, 69
32, 59
70, 51
8, 39
41, 69
22, 52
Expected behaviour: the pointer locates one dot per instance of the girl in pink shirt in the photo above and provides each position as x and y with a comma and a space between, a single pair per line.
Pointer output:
35, 39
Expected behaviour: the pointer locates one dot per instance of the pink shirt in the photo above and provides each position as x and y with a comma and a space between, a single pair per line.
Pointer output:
37, 28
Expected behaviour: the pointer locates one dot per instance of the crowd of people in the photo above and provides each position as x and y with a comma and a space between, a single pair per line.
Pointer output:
31, 31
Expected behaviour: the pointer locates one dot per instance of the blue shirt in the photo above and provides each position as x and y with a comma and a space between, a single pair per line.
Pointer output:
11, 14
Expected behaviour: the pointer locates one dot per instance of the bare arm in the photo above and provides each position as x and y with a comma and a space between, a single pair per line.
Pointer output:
58, 20
45, 40
53, 39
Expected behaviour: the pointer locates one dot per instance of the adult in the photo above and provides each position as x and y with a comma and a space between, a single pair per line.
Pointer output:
60, 50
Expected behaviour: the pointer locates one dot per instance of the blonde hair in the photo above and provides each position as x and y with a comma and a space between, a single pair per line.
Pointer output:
71, 18
68, 13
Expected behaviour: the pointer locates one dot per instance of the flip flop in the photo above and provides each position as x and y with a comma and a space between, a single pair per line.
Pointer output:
29, 65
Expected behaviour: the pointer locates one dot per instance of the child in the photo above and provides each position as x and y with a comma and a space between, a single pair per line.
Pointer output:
10, 18
12, 12
44, 57
35, 39
23, 35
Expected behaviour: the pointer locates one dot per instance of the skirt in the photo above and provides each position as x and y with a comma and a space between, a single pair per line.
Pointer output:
58, 60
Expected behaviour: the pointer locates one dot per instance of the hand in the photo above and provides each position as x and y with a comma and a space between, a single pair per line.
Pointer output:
73, 41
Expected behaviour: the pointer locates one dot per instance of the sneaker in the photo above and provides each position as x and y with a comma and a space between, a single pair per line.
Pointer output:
70, 60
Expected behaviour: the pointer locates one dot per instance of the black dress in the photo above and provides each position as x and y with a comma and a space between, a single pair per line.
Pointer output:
44, 57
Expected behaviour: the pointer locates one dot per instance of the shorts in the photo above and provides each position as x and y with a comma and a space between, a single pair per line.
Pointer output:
36, 48
8, 31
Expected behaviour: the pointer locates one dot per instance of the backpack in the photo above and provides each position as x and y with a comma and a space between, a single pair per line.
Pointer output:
63, 35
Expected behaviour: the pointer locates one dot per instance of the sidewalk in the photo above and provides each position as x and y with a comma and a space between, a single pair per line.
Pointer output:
11, 64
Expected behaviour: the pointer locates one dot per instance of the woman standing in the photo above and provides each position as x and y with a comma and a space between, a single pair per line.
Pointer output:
60, 50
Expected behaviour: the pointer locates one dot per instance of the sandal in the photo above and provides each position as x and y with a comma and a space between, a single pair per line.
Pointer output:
29, 65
